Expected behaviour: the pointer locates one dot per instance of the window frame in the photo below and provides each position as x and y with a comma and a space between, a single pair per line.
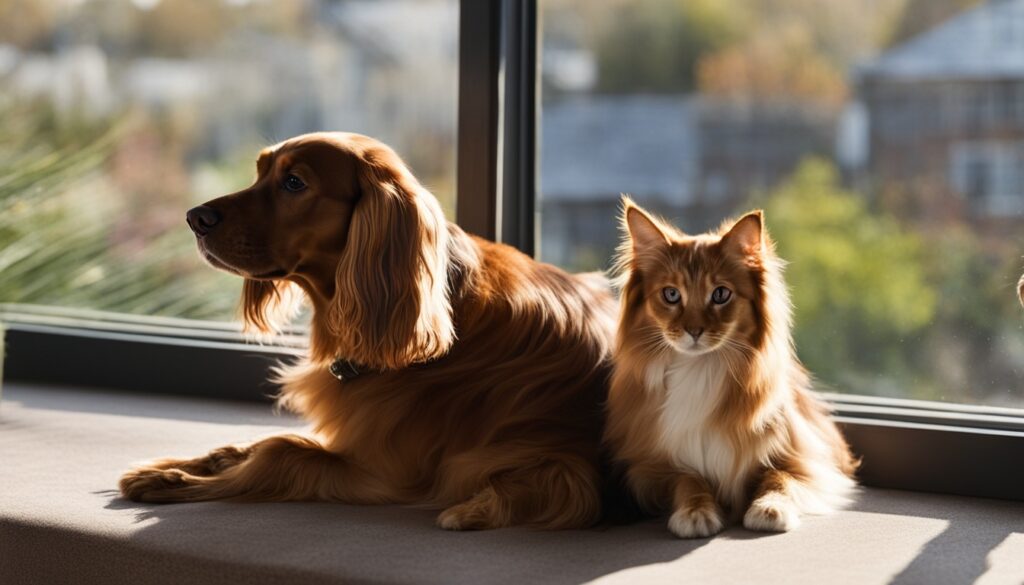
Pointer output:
116, 351
496, 179
904, 444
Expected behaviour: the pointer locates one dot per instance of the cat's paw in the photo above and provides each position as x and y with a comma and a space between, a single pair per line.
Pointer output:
698, 522
772, 513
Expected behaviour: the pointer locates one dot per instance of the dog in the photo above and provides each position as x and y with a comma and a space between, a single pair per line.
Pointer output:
444, 371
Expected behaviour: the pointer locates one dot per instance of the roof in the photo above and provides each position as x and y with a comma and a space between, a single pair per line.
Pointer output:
984, 42
596, 146
399, 30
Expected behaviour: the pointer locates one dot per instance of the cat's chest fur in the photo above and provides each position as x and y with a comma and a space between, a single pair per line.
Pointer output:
690, 389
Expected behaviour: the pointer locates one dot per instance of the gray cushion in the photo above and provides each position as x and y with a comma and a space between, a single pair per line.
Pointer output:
62, 451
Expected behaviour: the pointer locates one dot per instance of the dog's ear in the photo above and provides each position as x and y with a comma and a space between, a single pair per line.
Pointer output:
391, 307
268, 305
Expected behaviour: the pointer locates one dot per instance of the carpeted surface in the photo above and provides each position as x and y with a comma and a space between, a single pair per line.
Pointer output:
62, 451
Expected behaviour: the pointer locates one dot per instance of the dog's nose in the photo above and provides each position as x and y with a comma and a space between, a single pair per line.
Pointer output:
202, 219
695, 332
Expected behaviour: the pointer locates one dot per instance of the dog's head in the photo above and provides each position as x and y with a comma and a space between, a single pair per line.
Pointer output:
341, 216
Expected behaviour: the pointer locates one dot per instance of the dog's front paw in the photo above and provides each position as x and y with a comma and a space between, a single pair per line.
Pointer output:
696, 522
772, 513
478, 513
224, 458
213, 463
150, 484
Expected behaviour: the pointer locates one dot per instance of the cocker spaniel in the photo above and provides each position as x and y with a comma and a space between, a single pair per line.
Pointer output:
444, 370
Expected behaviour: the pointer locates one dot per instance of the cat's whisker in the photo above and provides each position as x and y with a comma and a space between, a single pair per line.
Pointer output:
653, 342
739, 345
733, 353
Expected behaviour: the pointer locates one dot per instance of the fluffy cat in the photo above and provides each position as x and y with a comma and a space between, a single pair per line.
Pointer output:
710, 411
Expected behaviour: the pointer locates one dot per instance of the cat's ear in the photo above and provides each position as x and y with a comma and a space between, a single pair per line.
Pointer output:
644, 231
746, 236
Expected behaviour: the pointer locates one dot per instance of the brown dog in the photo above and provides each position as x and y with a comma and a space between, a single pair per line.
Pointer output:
471, 376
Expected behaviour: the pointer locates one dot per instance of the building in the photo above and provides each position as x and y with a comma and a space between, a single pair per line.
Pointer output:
748, 146
945, 119
595, 148
355, 69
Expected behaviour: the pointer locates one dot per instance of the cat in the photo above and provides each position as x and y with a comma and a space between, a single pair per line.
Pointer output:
710, 412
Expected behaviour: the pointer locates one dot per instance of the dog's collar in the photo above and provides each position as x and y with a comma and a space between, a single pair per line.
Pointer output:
343, 369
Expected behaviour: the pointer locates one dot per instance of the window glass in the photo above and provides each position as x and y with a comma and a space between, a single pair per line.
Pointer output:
883, 138
116, 116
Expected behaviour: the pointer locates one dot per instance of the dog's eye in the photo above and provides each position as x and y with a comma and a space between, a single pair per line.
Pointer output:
293, 184
671, 295
721, 295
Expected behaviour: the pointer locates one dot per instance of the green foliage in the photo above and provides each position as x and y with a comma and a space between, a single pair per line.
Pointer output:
26, 24
654, 46
964, 278
659, 45
166, 28
858, 280
60, 224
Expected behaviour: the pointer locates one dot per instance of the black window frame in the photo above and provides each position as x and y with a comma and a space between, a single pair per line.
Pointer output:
904, 444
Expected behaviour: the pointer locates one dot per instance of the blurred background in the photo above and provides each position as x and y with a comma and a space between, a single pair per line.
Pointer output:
884, 138
116, 116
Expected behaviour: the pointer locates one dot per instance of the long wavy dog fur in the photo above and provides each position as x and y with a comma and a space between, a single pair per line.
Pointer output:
484, 371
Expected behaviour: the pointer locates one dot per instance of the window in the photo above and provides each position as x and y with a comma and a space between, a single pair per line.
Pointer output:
990, 175
118, 115
700, 109
881, 139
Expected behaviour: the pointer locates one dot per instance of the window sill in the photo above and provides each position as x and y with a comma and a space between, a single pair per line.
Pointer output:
905, 444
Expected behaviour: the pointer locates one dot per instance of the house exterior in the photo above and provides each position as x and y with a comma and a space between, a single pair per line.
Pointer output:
388, 69
595, 148
747, 146
692, 159
945, 119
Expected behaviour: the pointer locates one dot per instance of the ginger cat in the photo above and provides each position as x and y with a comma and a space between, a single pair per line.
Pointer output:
710, 410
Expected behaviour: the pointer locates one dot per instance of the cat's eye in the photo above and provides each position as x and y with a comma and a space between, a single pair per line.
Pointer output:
293, 184
721, 295
671, 295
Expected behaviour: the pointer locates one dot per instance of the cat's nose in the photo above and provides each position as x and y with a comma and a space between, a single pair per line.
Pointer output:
694, 332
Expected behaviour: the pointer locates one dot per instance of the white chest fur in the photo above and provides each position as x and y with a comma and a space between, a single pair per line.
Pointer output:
692, 387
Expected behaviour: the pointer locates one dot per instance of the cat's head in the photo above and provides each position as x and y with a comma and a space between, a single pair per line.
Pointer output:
695, 294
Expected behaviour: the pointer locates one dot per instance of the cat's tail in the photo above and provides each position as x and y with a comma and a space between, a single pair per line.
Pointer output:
823, 489
825, 481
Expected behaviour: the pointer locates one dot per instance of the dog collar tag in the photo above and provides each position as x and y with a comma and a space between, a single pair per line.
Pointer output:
344, 370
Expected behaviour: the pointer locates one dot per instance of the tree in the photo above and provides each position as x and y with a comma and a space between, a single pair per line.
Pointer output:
27, 24
659, 45
858, 279
778, 64
654, 46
